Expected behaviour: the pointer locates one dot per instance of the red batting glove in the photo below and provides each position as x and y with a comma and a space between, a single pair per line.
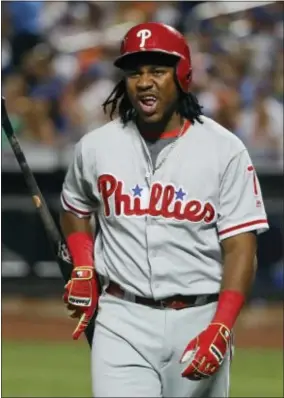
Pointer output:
82, 295
206, 352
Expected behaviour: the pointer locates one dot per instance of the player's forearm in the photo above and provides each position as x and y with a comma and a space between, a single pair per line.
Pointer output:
79, 238
239, 272
70, 223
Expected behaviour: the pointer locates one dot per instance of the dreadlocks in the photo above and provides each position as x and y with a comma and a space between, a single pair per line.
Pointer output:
118, 100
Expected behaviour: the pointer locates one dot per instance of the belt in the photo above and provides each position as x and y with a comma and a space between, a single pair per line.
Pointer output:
176, 302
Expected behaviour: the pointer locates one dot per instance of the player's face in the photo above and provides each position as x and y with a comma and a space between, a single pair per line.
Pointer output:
152, 91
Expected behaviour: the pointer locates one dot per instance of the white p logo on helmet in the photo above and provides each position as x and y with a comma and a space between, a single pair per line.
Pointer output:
144, 34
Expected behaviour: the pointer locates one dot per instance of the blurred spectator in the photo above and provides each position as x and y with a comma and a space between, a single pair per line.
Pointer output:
57, 66
26, 29
261, 128
46, 121
83, 101
15, 91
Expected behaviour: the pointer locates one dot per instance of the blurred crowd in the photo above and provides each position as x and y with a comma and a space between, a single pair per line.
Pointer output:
57, 67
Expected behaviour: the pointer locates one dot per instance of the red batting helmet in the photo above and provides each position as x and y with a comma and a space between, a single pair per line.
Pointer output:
159, 38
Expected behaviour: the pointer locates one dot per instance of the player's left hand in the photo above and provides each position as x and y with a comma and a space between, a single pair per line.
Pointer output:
206, 352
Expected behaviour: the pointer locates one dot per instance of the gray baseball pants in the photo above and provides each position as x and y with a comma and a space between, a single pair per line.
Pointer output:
137, 349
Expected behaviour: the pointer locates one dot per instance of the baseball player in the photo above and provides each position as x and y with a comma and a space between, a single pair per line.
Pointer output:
178, 206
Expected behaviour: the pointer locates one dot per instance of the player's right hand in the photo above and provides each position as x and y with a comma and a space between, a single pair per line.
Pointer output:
81, 296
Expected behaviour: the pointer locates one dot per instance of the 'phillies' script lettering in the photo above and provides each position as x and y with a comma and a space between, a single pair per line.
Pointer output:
192, 210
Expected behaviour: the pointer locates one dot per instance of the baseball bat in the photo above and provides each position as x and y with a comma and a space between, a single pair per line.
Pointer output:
57, 241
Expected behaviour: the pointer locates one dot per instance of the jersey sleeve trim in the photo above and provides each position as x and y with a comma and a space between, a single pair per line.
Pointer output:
74, 209
260, 225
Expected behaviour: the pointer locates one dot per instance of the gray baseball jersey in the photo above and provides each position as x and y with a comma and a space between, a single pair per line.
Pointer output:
161, 225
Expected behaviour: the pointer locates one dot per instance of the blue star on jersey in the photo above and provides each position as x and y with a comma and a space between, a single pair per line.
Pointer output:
180, 194
137, 191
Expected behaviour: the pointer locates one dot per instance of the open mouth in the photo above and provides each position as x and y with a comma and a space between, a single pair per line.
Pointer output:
148, 104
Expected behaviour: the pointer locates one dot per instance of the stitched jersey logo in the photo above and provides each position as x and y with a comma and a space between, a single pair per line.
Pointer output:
163, 200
